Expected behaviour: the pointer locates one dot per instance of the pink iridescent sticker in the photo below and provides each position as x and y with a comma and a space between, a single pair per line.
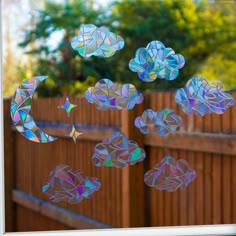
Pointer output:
199, 97
67, 185
170, 175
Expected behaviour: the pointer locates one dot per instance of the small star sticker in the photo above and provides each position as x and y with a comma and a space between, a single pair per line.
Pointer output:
67, 106
74, 134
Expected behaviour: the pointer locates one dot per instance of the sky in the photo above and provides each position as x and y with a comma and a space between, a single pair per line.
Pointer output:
16, 15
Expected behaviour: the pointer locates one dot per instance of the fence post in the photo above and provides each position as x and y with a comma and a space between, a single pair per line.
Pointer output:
132, 176
8, 169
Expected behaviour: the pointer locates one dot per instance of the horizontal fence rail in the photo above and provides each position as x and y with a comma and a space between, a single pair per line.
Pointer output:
59, 214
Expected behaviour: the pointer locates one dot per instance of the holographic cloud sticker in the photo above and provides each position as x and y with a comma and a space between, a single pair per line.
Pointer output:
67, 106
170, 175
158, 122
74, 134
20, 109
200, 98
156, 61
117, 151
67, 185
97, 41
108, 95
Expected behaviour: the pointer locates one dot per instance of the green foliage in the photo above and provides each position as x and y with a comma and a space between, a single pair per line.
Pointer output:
219, 69
204, 32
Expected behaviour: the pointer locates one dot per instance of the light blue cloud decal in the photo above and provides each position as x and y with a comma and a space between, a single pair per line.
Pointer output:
117, 151
108, 95
98, 41
170, 175
200, 98
156, 61
161, 122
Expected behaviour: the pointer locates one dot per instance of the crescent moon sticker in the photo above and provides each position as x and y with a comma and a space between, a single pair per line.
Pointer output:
20, 109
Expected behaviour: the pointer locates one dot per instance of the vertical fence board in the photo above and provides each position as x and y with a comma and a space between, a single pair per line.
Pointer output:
9, 173
175, 198
191, 192
217, 208
132, 183
199, 168
208, 195
226, 185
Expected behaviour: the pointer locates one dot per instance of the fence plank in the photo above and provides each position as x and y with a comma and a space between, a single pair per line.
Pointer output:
233, 166
233, 177
35, 221
216, 191
208, 195
199, 165
191, 192
61, 215
226, 189
9, 164
175, 198
132, 176
202, 142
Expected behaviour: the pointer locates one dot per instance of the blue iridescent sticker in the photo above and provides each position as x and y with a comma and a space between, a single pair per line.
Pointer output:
67, 106
108, 95
98, 41
200, 98
67, 185
160, 123
156, 61
20, 111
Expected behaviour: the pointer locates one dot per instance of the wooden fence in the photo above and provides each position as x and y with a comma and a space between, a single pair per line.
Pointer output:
208, 144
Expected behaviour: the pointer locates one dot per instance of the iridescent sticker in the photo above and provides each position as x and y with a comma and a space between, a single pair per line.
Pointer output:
108, 95
161, 122
21, 107
156, 61
67, 185
200, 98
74, 134
170, 175
67, 106
117, 151
97, 41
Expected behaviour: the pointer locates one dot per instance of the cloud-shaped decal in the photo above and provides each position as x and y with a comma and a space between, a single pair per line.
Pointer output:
97, 41
66, 185
158, 122
170, 175
200, 98
117, 151
108, 95
156, 61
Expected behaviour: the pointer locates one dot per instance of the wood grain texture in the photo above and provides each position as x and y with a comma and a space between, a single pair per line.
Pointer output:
9, 166
208, 144
58, 214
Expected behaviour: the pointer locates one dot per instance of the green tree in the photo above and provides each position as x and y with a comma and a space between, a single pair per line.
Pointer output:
65, 69
196, 29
